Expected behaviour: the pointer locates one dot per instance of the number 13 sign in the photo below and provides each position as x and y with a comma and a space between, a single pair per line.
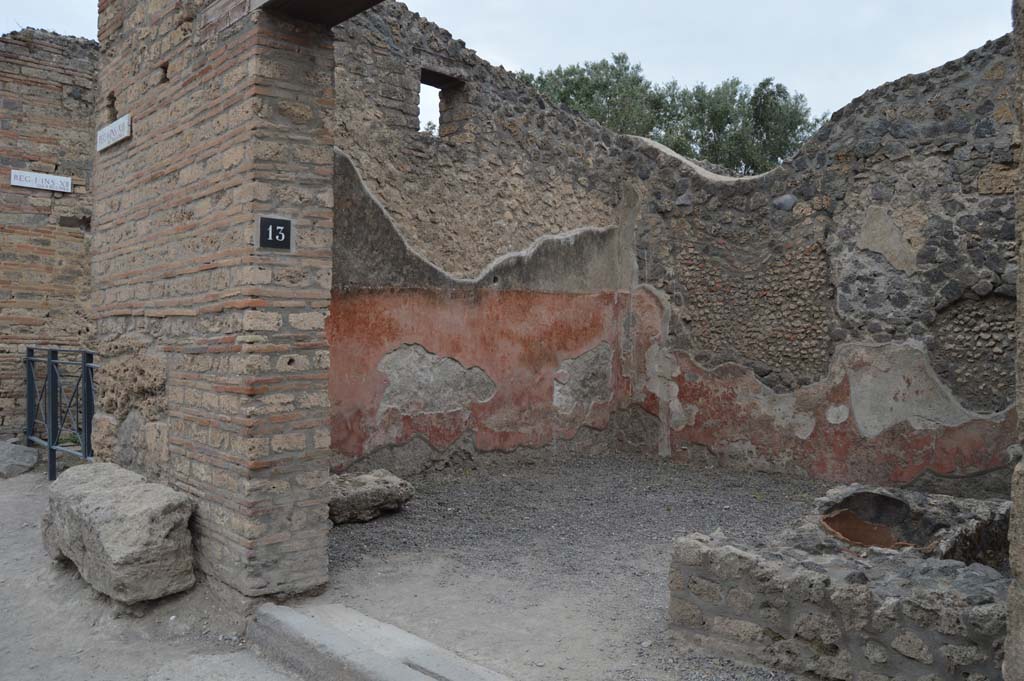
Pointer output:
275, 233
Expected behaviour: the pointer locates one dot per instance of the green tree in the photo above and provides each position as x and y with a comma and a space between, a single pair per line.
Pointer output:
615, 93
747, 130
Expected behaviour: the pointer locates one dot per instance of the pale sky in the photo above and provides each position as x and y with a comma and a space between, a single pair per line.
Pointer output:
830, 50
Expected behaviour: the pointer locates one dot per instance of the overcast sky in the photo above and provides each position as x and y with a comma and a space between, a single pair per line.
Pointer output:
831, 50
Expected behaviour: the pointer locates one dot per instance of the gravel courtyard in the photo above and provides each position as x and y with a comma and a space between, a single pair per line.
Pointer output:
555, 568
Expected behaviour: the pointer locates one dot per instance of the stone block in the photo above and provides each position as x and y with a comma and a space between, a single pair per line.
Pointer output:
15, 459
129, 539
690, 551
684, 613
912, 646
1013, 665
362, 498
705, 589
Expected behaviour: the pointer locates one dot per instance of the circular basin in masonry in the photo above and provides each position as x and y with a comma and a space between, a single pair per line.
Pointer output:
966, 530
876, 584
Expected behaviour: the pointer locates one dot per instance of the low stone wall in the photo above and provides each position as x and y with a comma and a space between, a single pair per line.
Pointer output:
855, 615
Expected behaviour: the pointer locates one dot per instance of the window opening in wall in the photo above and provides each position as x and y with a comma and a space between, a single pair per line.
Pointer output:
430, 108
441, 99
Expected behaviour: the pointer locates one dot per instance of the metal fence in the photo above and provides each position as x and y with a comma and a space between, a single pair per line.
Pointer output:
60, 402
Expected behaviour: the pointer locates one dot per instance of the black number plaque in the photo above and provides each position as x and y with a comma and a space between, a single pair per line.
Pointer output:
276, 233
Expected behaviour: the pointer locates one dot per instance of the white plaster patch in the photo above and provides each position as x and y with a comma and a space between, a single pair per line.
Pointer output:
783, 412
803, 425
584, 381
898, 242
837, 414
895, 383
682, 416
420, 382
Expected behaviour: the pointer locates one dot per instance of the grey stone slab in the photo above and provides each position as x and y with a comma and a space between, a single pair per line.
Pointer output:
362, 498
332, 642
129, 539
16, 459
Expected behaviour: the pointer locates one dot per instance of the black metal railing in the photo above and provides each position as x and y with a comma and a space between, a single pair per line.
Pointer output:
60, 402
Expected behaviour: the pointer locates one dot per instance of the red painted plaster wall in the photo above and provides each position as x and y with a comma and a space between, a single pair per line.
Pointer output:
725, 416
517, 338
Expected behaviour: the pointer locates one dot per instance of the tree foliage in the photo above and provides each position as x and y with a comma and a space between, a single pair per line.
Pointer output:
746, 129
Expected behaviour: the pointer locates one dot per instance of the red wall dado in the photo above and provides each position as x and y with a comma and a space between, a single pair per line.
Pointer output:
517, 338
892, 435
881, 415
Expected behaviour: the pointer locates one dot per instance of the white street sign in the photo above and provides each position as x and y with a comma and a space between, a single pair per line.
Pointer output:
121, 129
53, 183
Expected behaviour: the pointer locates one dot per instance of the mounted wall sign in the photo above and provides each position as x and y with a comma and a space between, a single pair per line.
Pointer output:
108, 136
274, 233
53, 183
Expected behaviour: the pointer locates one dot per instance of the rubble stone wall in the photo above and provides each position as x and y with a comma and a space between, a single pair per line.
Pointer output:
889, 236
820, 615
46, 105
505, 169
1013, 668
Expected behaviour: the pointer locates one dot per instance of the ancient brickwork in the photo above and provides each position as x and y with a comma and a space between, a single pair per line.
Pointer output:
229, 122
46, 104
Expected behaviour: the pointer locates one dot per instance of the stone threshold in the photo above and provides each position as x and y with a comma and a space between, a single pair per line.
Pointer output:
332, 643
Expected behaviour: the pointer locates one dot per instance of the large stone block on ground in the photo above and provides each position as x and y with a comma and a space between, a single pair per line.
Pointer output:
361, 498
15, 459
129, 539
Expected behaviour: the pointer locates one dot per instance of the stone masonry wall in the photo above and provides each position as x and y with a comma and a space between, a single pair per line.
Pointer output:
224, 343
886, 241
824, 616
505, 169
46, 105
1013, 668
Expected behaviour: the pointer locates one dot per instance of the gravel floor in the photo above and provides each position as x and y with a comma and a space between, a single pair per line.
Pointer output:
555, 568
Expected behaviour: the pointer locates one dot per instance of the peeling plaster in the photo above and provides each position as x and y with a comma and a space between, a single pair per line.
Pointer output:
420, 382
837, 414
897, 244
895, 383
584, 381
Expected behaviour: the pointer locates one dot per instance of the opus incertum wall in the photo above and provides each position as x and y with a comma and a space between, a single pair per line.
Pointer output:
1013, 667
848, 316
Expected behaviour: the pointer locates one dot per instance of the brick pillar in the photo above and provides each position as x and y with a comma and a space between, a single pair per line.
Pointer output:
1013, 668
230, 112
284, 410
